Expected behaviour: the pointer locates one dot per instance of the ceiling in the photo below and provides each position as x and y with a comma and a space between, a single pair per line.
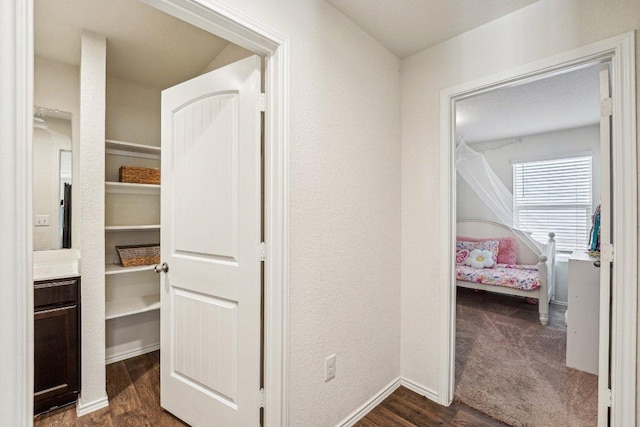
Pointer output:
143, 44
555, 103
408, 26
148, 46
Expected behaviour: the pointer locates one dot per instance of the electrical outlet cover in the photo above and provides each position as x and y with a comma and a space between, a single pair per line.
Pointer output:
330, 368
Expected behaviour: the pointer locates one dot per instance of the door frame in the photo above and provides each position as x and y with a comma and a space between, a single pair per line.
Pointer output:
620, 51
16, 78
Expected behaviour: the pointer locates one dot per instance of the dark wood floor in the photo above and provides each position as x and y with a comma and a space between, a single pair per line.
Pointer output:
133, 387
408, 409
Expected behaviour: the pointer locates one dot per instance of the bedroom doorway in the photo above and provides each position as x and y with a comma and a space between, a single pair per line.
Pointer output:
617, 346
528, 160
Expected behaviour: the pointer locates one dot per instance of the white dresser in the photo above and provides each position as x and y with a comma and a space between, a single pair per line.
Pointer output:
583, 313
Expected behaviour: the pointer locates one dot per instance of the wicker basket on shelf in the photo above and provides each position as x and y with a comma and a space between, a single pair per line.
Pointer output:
139, 175
135, 255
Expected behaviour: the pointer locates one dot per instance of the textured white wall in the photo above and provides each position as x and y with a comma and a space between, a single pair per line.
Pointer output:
565, 143
542, 29
229, 54
92, 135
133, 112
345, 216
57, 85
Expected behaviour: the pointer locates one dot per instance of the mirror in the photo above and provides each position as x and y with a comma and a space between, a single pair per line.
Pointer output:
52, 179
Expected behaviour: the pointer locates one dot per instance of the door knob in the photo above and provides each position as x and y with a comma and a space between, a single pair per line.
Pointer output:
164, 267
597, 263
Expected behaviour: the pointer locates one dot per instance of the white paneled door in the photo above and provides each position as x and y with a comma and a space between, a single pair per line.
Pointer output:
210, 238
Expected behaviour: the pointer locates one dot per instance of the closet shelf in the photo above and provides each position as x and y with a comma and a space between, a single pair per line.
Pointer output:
132, 305
118, 269
113, 228
129, 149
126, 188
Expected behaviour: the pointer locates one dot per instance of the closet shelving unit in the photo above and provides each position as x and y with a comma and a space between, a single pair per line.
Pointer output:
114, 228
126, 188
132, 216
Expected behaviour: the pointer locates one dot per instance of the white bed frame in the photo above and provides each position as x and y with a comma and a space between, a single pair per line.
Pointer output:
546, 260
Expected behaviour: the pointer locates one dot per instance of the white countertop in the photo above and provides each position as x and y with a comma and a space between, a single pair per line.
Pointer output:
57, 264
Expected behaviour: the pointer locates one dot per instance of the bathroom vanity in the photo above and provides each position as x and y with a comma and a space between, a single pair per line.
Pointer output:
56, 342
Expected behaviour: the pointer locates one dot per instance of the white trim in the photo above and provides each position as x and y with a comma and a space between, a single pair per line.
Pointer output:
370, 404
380, 396
620, 51
446, 378
16, 122
131, 353
225, 22
420, 389
86, 408
16, 244
624, 308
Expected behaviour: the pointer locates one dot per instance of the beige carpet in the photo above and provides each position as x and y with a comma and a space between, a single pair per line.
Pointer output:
512, 368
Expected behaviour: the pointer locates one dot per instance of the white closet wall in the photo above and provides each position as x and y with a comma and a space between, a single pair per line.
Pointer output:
133, 112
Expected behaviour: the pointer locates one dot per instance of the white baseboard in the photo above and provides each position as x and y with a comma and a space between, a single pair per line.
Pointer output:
131, 353
386, 391
557, 302
420, 389
363, 410
83, 408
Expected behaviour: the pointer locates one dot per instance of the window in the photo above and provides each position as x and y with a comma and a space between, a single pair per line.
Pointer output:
554, 195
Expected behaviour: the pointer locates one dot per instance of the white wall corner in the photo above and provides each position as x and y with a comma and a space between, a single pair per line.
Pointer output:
370, 404
385, 392
84, 408
420, 389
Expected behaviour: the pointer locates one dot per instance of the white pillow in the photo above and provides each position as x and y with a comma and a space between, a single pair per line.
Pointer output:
480, 258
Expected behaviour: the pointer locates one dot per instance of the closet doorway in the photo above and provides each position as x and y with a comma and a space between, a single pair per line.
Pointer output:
144, 56
617, 346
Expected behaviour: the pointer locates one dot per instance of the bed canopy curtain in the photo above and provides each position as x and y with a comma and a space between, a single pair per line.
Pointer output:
474, 169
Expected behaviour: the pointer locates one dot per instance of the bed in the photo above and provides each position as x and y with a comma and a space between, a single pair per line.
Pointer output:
532, 276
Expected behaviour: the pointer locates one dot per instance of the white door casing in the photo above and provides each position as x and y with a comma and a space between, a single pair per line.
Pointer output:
211, 228
604, 392
218, 19
620, 52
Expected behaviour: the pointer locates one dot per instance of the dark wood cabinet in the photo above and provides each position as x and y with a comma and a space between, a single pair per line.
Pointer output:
56, 343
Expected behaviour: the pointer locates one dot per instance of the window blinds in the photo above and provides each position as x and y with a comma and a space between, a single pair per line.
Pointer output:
554, 195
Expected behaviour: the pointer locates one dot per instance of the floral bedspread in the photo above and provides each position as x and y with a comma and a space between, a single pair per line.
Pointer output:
523, 277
